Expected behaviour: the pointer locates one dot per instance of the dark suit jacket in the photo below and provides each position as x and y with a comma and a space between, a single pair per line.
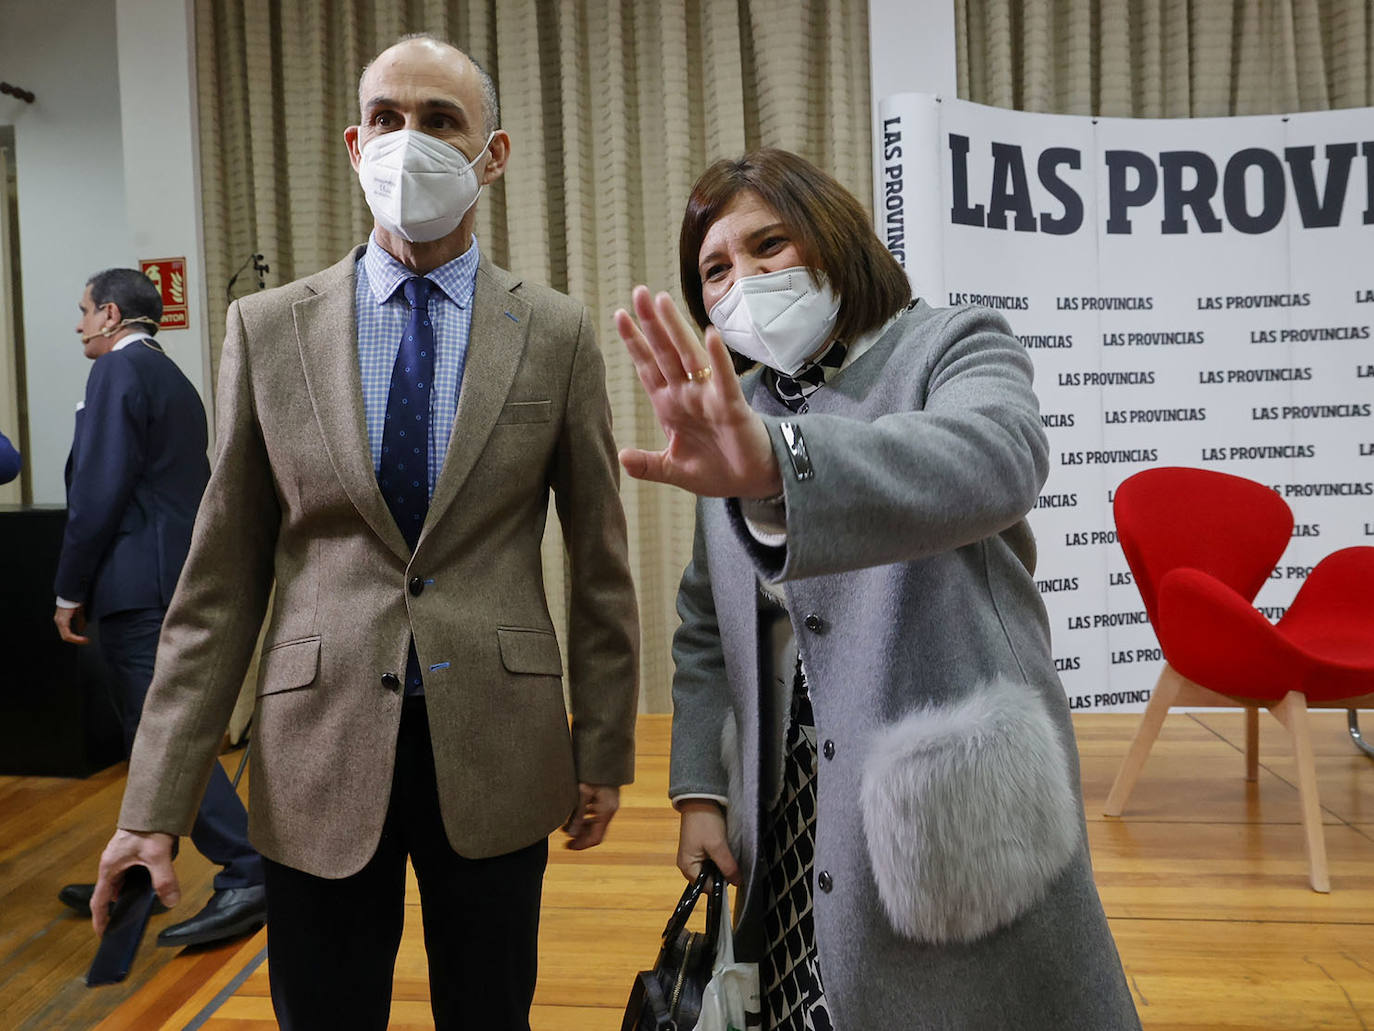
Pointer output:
135, 476
10, 463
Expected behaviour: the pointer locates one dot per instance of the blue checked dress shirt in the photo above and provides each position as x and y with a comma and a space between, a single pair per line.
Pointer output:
382, 316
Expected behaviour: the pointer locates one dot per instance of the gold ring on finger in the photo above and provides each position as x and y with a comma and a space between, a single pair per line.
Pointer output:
700, 375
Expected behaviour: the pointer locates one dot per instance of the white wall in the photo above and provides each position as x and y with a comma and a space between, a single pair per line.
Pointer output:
157, 94
911, 50
106, 166
911, 47
70, 170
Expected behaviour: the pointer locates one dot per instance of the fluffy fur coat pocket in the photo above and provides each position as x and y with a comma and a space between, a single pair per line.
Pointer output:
968, 813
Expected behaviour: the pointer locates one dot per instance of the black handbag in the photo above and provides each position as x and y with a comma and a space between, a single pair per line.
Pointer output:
668, 997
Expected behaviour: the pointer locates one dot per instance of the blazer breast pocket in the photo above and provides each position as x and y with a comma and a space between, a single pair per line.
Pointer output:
289, 666
517, 412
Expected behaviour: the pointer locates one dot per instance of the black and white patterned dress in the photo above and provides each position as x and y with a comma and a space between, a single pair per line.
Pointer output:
790, 972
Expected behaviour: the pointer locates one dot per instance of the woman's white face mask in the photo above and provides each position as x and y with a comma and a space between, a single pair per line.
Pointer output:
777, 318
418, 187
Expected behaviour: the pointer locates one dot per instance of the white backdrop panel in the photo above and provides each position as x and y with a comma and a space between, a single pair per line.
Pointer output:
1193, 292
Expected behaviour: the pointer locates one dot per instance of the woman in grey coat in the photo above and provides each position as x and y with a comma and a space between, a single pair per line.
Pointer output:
868, 732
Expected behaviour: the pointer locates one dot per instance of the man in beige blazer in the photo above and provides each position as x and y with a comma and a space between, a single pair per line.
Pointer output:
410, 700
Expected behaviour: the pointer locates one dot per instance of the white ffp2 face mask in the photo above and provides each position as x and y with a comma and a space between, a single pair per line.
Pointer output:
777, 318
418, 187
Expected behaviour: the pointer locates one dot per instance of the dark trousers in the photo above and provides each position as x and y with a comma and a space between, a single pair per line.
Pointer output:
128, 641
331, 944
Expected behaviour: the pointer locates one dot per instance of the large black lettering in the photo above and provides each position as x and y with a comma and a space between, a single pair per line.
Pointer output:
1367, 149
1047, 168
1271, 184
1120, 197
961, 214
1010, 190
1325, 213
1198, 196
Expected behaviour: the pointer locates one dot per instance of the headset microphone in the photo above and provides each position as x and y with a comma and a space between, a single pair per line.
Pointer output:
85, 339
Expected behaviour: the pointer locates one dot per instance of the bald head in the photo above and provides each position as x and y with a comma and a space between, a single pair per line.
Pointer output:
425, 56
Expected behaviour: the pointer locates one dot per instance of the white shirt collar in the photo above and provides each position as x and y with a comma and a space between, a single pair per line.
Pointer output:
137, 334
867, 340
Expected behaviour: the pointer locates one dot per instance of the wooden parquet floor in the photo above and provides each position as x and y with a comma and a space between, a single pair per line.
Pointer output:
1204, 882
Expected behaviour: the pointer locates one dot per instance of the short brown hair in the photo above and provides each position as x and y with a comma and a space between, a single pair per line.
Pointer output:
832, 231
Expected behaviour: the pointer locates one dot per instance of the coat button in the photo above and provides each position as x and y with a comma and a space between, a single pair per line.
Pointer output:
391, 681
828, 749
417, 586
814, 623
825, 881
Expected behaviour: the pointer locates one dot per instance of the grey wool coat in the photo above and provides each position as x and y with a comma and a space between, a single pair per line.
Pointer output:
958, 889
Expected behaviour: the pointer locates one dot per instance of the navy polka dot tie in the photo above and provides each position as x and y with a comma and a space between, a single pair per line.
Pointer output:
403, 473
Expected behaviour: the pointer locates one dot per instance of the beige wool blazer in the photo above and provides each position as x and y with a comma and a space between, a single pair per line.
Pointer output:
293, 503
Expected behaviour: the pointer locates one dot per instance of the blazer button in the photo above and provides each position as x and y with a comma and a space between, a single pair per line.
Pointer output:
417, 586
391, 681
828, 749
814, 623
825, 881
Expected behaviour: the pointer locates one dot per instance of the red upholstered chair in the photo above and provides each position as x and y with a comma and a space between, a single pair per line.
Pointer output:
1201, 544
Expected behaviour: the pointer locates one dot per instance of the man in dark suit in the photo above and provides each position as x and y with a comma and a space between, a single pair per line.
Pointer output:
135, 478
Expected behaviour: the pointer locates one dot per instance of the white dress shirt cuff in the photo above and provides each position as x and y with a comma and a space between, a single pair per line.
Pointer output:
721, 800
63, 603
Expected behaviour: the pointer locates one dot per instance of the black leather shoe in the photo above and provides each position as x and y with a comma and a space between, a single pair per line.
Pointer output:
229, 914
78, 897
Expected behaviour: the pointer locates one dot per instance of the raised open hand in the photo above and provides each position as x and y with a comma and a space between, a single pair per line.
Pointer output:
717, 445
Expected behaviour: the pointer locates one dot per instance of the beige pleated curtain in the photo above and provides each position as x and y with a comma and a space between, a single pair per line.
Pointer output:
1166, 58
613, 106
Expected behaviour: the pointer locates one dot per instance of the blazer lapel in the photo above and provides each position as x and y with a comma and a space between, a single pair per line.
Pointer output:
327, 333
496, 344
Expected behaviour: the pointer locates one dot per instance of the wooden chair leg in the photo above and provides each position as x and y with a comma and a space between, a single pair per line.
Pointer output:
1166, 690
1251, 743
1292, 713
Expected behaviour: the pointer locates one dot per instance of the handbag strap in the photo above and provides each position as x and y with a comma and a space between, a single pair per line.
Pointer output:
683, 909
655, 1006
647, 1009
715, 911
714, 905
